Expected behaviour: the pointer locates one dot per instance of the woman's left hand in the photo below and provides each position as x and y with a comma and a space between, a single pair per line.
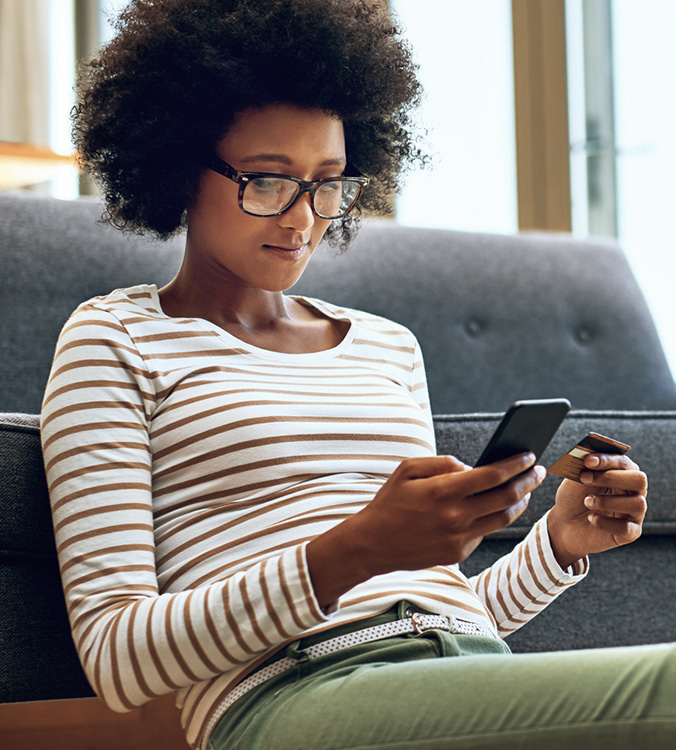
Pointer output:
605, 510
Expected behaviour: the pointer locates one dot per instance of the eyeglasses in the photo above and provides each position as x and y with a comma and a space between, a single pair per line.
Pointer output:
264, 194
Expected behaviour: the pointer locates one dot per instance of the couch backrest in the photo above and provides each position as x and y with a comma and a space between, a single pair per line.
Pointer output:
499, 318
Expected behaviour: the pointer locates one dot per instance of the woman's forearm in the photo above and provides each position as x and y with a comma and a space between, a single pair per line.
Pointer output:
338, 560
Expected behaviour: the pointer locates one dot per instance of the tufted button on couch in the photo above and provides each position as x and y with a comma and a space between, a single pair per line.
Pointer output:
499, 319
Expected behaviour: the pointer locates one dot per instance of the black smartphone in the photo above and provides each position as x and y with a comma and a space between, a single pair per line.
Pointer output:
526, 426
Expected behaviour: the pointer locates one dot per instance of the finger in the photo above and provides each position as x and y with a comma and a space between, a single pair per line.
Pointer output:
488, 524
509, 494
429, 466
487, 489
634, 481
483, 478
630, 506
622, 529
605, 461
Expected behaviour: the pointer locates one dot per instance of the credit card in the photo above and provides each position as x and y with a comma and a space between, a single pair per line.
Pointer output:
570, 465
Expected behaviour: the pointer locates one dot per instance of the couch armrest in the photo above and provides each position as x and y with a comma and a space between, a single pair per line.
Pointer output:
37, 655
652, 436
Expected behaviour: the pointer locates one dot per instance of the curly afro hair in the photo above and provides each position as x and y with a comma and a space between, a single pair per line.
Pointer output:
157, 99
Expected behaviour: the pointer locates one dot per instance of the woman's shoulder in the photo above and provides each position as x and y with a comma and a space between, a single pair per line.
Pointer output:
369, 325
122, 310
138, 299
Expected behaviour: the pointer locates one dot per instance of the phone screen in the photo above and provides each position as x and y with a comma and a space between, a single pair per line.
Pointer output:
526, 426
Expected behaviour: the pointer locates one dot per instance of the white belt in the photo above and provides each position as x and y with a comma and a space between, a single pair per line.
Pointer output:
416, 623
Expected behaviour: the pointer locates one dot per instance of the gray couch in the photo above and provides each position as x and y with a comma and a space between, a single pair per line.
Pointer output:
499, 319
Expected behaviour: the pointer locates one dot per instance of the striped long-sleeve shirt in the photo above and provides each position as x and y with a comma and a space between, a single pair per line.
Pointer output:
187, 472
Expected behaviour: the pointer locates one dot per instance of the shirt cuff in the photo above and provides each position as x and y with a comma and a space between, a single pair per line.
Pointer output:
573, 573
321, 614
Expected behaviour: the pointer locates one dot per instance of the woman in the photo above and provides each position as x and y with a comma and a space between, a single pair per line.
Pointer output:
248, 506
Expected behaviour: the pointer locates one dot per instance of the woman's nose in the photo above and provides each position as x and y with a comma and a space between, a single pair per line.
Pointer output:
300, 216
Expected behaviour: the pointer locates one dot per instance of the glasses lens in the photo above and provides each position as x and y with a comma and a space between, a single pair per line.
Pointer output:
335, 198
266, 196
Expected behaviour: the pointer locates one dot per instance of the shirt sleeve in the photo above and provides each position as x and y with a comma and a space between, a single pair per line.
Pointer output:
134, 642
521, 584
418, 385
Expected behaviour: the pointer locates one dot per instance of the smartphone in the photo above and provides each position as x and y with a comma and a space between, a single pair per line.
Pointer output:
527, 426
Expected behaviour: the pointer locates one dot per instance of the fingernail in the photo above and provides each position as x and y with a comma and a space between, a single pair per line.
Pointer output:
540, 472
592, 461
589, 501
586, 477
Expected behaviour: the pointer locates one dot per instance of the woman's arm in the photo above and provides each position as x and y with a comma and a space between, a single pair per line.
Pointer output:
134, 642
605, 510
431, 511
526, 580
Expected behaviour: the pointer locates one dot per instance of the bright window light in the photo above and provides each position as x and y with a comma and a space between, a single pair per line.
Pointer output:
464, 50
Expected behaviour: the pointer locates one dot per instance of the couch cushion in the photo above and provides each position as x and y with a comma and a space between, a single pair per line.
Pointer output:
54, 255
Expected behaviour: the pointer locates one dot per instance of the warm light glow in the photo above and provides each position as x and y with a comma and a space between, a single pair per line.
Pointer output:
24, 164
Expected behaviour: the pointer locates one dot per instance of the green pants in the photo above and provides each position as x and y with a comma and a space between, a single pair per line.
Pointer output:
436, 690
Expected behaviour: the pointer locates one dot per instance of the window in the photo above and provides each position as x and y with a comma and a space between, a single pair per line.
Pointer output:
465, 54
72, 24
622, 121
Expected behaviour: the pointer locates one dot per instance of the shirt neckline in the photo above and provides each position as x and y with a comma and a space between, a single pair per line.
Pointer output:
270, 354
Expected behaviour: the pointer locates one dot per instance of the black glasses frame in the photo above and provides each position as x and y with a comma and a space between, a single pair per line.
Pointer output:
243, 178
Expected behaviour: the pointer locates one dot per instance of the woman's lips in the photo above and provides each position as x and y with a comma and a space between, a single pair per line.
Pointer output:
290, 253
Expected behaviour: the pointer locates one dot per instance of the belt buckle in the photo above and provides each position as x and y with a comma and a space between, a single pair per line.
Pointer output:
416, 619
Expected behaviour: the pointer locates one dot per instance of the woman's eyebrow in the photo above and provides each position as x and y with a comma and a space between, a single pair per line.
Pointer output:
283, 159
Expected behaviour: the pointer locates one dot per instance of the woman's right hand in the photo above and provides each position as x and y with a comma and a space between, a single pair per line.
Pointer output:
431, 511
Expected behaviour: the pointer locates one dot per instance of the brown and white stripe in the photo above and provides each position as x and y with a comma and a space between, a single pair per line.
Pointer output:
188, 470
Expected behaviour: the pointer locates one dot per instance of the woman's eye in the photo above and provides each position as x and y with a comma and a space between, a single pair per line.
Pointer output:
265, 185
328, 187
